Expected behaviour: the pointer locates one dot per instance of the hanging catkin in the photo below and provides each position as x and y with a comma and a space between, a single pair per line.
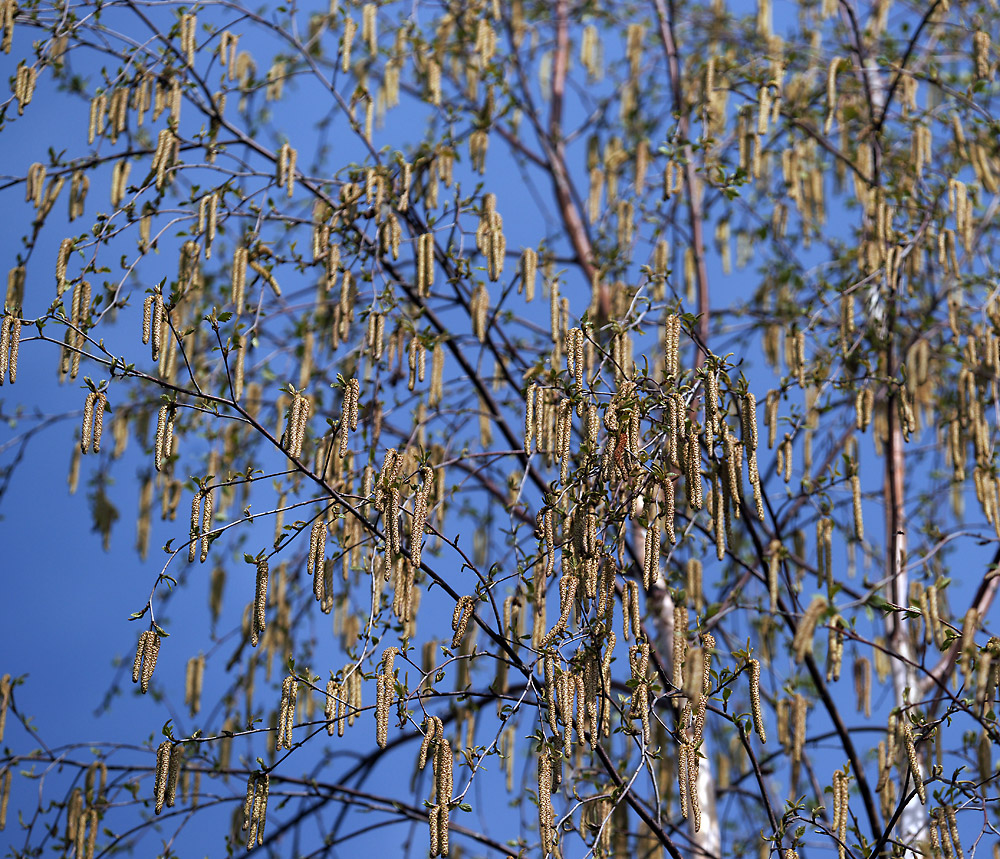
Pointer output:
464, 609
914, 762
755, 706
260, 601
93, 422
803, 640
286, 712
349, 414
385, 692
295, 430
163, 447
162, 775
145, 658
255, 809
193, 683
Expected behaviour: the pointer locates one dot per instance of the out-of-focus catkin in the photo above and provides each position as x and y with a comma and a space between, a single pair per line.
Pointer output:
193, 683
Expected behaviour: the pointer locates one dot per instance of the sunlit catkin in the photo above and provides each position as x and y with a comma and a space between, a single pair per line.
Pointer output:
464, 609
286, 711
162, 774
195, 526
425, 264
914, 762
163, 446
255, 809
679, 643
119, 179
385, 693
529, 418
295, 430
259, 620
755, 708
349, 413
545, 812
88, 430
145, 658
859, 524
317, 555
529, 273
239, 277
651, 554
287, 156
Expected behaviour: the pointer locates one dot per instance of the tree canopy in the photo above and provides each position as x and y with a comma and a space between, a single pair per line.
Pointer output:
655, 346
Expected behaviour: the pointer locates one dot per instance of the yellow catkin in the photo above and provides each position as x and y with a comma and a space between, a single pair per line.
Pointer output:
859, 524
651, 555
86, 430
164, 435
286, 712
287, 157
349, 413
316, 562
195, 526
425, 264
464, 609
680, 645
981, 54
545, 812
239, 277
145, 658
956, 841
119, 180
914, 763
755, 707
206, 524
8, 10
335, 708
295, 429
188, 31
173, 775
529, 273
255, 808
350, 28
385, 693
162, 775
529, 418
259, 620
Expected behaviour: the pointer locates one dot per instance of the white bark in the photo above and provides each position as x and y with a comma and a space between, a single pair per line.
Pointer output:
660, 606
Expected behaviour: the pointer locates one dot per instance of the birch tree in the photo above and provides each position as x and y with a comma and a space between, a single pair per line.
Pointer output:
586, 414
